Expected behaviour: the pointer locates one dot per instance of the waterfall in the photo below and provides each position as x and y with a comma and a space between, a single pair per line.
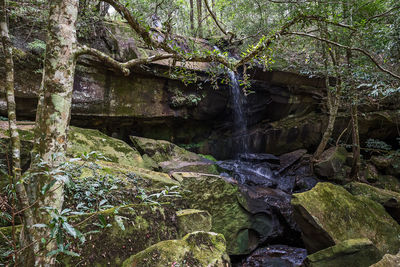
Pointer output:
239, 116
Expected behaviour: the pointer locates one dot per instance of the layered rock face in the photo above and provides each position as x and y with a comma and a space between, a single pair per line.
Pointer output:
285, 113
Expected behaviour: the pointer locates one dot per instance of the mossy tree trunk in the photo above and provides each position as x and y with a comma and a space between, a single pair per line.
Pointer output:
52, 121
12, 120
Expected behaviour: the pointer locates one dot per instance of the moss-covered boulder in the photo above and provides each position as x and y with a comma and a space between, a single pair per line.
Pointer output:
197, 249
328, 215
388, 261
192, 220
242, 230
330, 165
144, 177
88, 140
388, 199
170, 157
81, 141
353, 252
108, 244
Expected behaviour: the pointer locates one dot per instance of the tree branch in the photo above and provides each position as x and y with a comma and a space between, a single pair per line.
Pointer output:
370, 56
214, 17
122, 66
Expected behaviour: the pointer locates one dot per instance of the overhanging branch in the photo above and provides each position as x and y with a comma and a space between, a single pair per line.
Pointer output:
360, 50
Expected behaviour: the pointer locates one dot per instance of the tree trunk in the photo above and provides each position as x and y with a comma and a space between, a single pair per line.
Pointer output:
355, 168
199, 18
191, 15
12, 121
53, 118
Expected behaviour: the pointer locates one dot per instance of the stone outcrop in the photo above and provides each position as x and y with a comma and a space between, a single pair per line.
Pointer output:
388, 199
353, 252
328, 215
196, 249
243, 230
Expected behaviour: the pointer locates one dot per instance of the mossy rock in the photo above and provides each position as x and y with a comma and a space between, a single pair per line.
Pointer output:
328, 215
196, 249
242, 230
148, 179
145, 225
388, 261
330, 165
353, 252
171, 157
388, 182
86, 140
192, 220
388, 199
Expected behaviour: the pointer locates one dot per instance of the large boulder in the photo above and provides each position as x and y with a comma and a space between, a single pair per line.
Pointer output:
388, 199
353, 252
80, 142
330, 165
242, 230
170, 157
196, 249
328, 215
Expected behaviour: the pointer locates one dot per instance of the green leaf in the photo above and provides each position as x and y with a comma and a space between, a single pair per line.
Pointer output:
70, 229
120, 222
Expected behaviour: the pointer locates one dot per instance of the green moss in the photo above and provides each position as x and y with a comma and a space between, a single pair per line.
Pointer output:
191, 220
196, 249
223, 201
145, 225
376, 194
209, 157
343, 216
353, 252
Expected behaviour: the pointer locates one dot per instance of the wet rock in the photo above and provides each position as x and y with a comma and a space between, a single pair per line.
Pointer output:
388, 260
288, 159
243, 230
276, 256
353, 252
196, 249
191, 220
259, 158
330, 164
250, 173
388, 199
328, 215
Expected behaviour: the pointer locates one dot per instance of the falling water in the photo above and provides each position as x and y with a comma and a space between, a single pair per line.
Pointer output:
239, 116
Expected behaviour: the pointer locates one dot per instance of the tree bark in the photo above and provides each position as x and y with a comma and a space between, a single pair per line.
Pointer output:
53, 118
191, 15
13, 129
199, 18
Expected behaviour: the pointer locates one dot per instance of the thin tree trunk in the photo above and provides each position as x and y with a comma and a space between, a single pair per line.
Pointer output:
355, 168
191, 15
14, 135
53, 120
199, 18
333, 98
